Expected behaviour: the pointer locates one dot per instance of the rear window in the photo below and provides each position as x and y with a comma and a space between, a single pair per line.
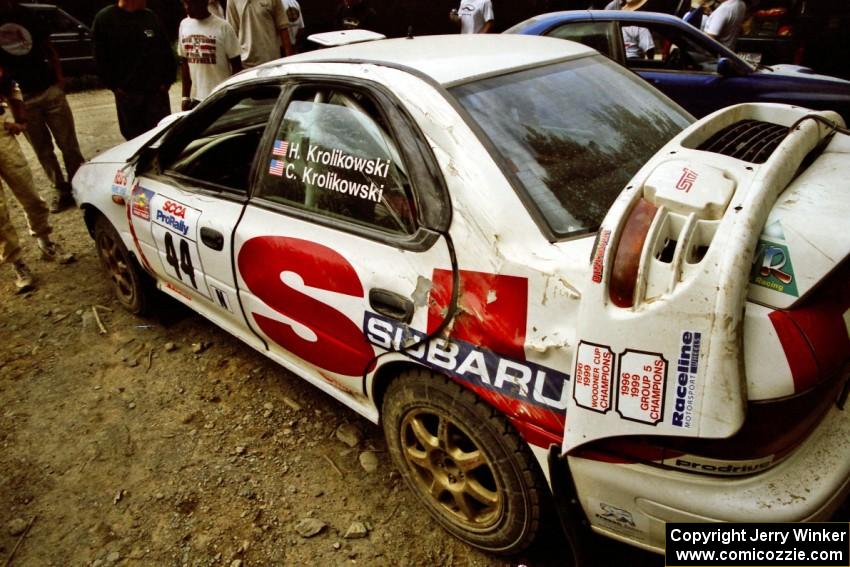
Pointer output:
573, 133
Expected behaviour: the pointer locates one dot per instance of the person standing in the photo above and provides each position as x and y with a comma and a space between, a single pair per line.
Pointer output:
724, 24
474, 16
356, 15
30, 60
15, 171
262, 29
209, 52
296, 22
135, 61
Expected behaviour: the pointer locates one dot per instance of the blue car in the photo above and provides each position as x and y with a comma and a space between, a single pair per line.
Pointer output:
687, 65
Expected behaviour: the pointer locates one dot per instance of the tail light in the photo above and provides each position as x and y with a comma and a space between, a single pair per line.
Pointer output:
627, 257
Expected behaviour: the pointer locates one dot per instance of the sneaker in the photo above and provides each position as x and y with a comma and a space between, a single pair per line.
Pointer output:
23, 277
61, 201
51, 251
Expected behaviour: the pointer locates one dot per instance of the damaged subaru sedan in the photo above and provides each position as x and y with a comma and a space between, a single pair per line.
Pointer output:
537, 273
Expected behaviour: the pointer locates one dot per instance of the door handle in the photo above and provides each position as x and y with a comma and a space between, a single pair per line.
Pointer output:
212, 238
391, 304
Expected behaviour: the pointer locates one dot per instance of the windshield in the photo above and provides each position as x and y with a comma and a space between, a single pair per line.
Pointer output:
573, 133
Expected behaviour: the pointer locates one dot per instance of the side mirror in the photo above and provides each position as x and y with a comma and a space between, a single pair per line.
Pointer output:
727, 68
82, 31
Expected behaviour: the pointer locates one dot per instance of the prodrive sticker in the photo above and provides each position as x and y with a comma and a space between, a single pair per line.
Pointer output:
593, 377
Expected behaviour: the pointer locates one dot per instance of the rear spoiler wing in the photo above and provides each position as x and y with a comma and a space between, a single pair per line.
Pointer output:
659, 331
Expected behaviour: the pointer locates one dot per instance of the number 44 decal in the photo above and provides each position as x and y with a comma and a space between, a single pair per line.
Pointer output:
185, 262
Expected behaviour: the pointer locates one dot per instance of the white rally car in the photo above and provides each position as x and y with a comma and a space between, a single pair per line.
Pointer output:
534, 270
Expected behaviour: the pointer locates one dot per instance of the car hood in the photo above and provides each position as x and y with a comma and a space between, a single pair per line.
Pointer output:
799, 72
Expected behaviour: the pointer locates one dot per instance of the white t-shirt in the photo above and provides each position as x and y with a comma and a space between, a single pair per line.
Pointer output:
295, 17
207, 45
725, 22
637, 41
474, 14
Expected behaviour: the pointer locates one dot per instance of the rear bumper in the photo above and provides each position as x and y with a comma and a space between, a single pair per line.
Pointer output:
632, 502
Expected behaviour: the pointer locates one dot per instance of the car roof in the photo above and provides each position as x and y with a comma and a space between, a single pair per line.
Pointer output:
620, 15
450, 59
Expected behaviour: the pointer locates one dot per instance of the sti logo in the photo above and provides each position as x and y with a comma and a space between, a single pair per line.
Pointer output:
687, 180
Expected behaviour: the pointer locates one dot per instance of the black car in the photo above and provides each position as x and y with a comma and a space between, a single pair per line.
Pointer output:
71, 38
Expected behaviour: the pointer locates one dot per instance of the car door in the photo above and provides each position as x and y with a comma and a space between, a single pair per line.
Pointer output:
332, 248
188, 197
685, 69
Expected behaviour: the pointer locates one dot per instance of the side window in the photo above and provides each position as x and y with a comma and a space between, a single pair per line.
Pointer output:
675, 51
598, 35
334, 155
218, 144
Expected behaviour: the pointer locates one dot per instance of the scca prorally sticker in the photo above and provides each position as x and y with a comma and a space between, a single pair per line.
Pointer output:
598, 263
521, 380
641, 386
141, 202
687, 369
594, 375
328, 169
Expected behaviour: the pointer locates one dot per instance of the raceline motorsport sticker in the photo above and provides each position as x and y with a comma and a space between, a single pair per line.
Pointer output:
521, 380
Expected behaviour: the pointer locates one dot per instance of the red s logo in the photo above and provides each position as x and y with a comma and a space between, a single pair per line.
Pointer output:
340, 346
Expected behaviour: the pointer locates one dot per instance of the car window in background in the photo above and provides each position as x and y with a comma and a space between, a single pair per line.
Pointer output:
574, 133
334, 155
598, 35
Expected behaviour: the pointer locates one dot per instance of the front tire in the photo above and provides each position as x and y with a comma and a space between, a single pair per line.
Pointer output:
131, 288
464, 462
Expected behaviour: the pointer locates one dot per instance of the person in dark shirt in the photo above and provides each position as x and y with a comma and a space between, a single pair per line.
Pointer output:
355, 14
29, 58
135, 61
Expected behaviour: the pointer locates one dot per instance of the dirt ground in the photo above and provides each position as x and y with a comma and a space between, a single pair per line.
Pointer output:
165, 441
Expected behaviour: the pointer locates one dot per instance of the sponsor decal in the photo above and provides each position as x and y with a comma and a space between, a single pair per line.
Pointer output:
772, 268
598, 263
594, 374
339, 345
518, 379
718, 467
280, 147
687, 180
119, 183
173, 221
641, 386
615, 515
276, 167
179, 292
687, 369
141, 202
221, 297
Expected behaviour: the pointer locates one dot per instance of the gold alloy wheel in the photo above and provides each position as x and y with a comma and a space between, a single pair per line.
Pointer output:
449, 467
115, 261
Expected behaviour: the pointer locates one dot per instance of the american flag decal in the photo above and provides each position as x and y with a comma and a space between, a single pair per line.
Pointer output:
276, 167
280, 147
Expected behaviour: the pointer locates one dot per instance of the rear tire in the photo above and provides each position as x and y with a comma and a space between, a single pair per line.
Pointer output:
464, 462
130, 284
